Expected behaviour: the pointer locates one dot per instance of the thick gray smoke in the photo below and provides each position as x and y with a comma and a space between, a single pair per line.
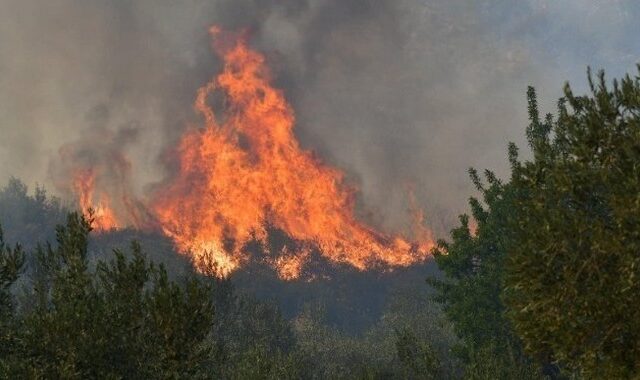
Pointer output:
395, 92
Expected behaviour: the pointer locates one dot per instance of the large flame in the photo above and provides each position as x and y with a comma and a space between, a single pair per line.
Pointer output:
240, 175
244, 171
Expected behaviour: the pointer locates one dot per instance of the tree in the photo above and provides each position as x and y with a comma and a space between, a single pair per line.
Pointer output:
418, 359
470, 292
573, 269
122, 319
11, 262
28, 218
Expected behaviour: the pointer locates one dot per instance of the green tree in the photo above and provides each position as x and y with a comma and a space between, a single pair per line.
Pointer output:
573, 269
122, 319
470, 292
252, 339
11, 262
418, 359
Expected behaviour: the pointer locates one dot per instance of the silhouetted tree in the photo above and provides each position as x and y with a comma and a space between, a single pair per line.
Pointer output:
29, 218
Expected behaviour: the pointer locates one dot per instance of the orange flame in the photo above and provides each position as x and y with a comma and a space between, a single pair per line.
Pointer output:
98, 209
245, 171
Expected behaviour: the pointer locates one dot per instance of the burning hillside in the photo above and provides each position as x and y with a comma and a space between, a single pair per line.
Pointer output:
242, 173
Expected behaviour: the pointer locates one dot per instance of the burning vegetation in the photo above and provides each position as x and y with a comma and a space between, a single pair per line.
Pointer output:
103, 216
243, 173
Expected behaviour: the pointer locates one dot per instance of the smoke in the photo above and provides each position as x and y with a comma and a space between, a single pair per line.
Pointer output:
398, 93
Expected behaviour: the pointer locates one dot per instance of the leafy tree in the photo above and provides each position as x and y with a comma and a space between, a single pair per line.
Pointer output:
258, 363
252, 339
422, 336
410, 341
123, 319
470, 292
29, 218
418, 358
573, 269
11, 262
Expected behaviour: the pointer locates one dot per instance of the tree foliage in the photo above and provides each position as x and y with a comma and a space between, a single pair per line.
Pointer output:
29, 218
573, 269
122, 319
470, 292
550, 276
11, 263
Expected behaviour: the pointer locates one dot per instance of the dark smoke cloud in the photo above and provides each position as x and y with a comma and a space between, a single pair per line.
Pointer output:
395, 92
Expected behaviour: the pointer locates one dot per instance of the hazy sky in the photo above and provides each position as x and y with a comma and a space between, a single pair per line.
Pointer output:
391, 91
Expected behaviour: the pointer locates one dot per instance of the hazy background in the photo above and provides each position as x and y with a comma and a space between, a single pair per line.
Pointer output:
394, 92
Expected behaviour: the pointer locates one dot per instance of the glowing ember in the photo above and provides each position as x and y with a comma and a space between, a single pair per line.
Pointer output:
244, 171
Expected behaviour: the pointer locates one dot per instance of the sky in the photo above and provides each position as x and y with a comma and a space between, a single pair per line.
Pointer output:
396, 93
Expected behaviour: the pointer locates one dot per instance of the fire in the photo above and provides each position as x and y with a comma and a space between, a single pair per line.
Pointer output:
240, 175
244, 171
98, 208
